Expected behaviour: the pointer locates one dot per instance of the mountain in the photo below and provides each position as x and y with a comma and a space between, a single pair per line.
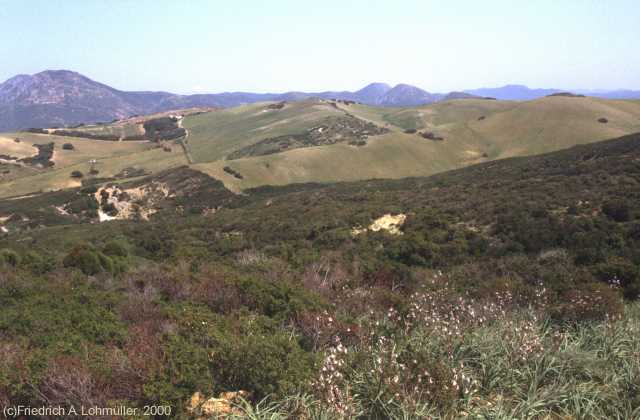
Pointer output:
513, 92
407, 95
61, 97
55, 98
372, 93
615, 94
460, 95
523, 93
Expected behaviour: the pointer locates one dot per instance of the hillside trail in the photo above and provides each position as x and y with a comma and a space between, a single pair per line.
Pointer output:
183, 142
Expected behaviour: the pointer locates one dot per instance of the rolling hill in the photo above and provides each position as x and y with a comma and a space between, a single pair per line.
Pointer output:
279, 143
472, 131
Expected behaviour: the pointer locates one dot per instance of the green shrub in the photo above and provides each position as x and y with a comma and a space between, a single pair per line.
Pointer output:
88, 260
116, 248
620, 272
9, 257
38, 263
82, 204
91, 189
263, 364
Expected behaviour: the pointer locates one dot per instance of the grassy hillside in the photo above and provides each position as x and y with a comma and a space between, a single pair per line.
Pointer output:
214, 135
393, 155
282, 143
474, 131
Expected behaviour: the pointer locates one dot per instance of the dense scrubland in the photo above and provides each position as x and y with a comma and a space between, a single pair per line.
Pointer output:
509, 291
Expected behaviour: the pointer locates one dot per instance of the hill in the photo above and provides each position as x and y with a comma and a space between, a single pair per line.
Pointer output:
472, 131
186, 290
279, 143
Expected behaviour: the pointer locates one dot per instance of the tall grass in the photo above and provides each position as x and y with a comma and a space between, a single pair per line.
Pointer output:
500, 363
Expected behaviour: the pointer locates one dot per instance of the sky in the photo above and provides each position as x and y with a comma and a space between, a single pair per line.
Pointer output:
194, 46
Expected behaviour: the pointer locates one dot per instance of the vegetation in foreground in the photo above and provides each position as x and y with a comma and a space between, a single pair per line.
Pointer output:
506, 290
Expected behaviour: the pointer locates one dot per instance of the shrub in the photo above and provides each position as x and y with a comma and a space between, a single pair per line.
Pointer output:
91, 189
76, 174
88, 260
9, 257
603, 120
69, 381
617, 210
431, 136
110, 209
233, 172
68, 146
82, 204
116, 248
38, 263
592, 302
263, 364
410, 131
619, 272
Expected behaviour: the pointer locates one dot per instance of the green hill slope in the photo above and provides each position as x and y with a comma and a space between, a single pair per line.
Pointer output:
331, 141
473, 131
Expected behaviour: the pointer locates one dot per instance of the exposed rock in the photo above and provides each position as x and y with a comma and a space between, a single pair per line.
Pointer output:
389, 223
131, 202
226, 404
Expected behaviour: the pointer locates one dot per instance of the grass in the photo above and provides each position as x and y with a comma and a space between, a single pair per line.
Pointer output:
590, 371
125, 129
474, 131
152, 160
507, 129
393, 155
214, 135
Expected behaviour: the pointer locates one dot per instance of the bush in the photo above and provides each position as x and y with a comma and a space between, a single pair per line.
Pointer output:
37, 263
91, 189
82, 204
431, 136
619, 272
263, 364
592, 302
603, 120
68, 146
617, 210
116, 248
76, 174
233, 172
9, 257
88, 260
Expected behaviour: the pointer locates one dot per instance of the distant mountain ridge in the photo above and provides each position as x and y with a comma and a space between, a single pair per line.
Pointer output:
61, 97
524, 93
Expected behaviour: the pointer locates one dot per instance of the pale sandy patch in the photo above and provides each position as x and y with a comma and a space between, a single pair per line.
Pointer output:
20, 150
389, 223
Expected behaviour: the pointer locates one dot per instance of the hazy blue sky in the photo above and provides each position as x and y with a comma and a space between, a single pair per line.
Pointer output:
189, 46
